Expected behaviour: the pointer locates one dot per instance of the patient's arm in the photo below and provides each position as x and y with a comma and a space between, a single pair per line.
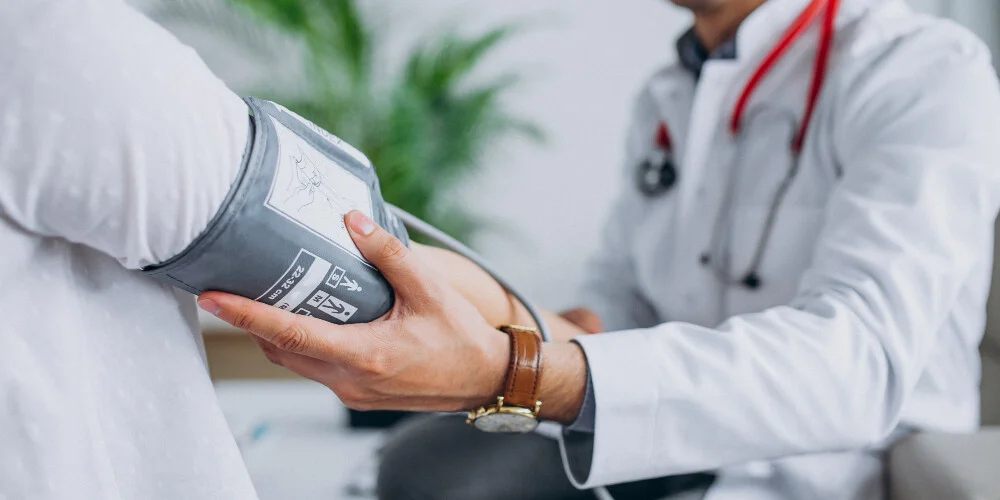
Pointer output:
134, 167
493, 302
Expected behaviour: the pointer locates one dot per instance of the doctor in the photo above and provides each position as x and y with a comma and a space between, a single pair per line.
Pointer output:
798, 268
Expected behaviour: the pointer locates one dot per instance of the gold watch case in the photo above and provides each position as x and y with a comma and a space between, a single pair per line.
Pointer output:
505, 419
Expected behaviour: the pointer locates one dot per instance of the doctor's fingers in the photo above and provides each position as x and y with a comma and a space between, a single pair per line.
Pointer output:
310, 368
286, 331
355, 387
408, 277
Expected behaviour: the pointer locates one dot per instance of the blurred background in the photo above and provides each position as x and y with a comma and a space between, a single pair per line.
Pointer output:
502, 122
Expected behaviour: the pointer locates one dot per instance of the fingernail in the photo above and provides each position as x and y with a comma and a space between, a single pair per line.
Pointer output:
209, 306
361, 223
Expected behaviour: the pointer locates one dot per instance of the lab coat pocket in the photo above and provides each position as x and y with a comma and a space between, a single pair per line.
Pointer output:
785, 256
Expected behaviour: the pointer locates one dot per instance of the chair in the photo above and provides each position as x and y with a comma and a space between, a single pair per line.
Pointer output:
933, 466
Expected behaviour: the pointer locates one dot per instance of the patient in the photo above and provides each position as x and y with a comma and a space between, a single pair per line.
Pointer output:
117, 146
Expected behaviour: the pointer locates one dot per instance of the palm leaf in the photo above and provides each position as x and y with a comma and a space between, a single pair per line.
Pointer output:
438, 66
425, 129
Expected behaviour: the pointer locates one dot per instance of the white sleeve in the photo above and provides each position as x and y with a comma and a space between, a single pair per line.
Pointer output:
113, 134
908, 222
610, 287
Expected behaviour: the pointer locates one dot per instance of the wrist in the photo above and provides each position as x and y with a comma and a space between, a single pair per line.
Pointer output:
563, 381
494, 364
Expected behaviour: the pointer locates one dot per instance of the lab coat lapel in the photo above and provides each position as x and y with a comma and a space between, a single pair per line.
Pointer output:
708, 139
709, 149
672, 93
705, 136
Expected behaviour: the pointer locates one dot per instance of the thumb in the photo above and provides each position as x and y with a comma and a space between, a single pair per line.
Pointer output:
387, 253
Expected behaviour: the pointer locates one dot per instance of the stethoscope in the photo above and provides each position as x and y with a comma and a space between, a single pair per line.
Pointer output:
658, 173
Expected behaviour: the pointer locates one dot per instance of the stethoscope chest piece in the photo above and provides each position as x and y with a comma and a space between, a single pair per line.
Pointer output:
657, 175
658, 172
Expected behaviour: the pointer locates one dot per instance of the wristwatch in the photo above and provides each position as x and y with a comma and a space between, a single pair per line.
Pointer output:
517, 409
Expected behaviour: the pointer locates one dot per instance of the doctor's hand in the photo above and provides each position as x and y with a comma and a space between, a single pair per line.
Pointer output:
493, 302
432, 352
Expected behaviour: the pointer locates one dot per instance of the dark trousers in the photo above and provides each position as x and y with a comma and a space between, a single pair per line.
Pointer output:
441, 458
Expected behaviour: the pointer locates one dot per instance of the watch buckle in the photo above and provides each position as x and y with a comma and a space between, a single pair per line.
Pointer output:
499, 407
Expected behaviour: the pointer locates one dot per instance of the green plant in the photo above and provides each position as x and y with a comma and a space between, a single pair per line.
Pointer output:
424, 127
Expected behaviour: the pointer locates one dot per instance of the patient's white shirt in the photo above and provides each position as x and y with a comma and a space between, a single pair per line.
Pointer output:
117, 146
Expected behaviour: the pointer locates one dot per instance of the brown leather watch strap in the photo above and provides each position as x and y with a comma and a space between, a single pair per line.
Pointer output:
525, 369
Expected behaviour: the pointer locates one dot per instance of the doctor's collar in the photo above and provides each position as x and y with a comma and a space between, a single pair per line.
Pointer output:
693, 55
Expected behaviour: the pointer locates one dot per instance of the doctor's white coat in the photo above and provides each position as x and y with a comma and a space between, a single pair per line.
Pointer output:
874, 283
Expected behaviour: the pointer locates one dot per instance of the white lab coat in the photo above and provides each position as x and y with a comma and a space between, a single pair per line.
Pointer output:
874, 283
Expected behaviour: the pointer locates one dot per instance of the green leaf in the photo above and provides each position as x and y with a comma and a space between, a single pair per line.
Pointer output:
425, 127
439, 65
291, 15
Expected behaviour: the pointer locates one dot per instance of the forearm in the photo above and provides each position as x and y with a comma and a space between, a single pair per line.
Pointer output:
442, 355
564, 367
496, 305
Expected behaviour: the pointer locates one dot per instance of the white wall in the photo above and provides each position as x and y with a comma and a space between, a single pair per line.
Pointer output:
981, 16
584, 62
587, 64
556, 198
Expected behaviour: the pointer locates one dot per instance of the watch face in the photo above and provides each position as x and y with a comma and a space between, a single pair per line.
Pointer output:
506, 422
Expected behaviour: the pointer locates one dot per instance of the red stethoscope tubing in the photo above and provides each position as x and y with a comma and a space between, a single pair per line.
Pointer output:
787, 40
798, 28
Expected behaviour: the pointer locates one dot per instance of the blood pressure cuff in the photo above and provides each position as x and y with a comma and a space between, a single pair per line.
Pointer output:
279, 237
